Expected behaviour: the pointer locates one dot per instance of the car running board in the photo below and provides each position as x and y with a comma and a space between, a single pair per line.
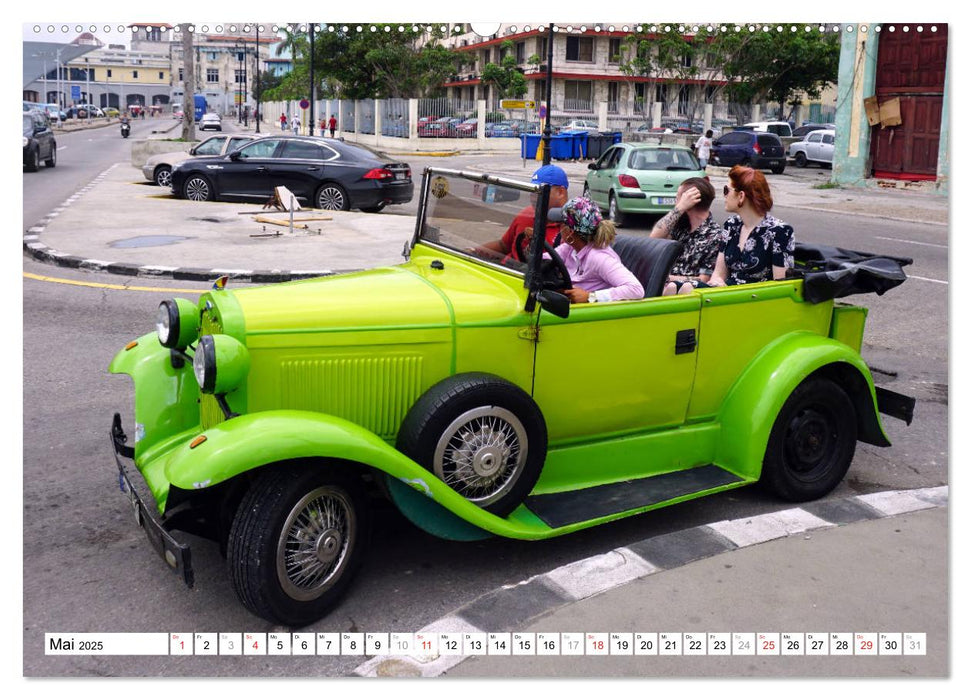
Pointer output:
569, 507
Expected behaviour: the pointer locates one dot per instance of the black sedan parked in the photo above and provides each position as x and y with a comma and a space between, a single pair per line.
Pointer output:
39, 143
324, 173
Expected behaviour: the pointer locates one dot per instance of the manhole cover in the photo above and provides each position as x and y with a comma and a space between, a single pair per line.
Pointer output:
147, 241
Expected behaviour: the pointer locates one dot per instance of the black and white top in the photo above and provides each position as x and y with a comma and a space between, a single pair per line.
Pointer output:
770, 243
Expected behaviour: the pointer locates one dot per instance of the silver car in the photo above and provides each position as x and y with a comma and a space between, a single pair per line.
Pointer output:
211, 121
816, 147
158, 168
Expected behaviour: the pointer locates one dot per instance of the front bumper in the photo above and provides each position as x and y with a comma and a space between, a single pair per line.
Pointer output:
149, 172
174, 553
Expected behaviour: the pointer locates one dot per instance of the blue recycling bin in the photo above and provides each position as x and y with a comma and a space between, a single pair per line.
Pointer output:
618, 136
530, 144
578, 143
561, 147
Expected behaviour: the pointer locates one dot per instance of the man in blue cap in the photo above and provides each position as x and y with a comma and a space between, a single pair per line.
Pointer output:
522, 225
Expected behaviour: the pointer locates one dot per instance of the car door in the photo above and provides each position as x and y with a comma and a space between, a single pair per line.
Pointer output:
247, 172
813, 142
826, 146
617, 368
603, 176
301, 166
210, 147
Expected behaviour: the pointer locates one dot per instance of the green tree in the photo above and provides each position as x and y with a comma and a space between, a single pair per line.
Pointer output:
505, 75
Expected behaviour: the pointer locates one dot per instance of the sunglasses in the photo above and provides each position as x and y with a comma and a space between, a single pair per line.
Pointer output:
725, 190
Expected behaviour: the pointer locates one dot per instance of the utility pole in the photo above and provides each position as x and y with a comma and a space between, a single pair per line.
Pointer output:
310, 125
189, 83
547, 156
256, 87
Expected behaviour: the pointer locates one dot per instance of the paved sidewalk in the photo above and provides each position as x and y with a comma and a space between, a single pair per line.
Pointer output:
864, 565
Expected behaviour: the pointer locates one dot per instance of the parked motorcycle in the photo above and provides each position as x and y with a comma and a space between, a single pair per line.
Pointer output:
125, 129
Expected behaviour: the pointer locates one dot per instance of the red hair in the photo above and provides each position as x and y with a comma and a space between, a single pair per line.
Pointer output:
753, 183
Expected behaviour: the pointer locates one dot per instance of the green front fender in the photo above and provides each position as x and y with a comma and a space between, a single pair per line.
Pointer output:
749, 411
251, 441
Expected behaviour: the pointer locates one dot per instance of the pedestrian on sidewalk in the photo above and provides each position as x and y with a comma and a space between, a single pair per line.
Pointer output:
332, 124
295, 122
283, 122
703, 148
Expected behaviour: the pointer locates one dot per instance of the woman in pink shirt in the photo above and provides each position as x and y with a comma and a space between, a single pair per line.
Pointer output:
597, 273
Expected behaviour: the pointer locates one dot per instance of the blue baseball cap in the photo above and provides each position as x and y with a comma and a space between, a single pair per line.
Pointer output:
551, 175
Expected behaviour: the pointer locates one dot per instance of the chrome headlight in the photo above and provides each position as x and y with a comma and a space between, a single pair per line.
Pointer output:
26, 141
177, 323
220, 364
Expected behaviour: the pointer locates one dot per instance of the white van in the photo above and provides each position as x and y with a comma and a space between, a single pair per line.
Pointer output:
780, 129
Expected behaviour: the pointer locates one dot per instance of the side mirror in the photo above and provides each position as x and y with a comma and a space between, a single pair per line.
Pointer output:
554, 302
593, 166
234, 155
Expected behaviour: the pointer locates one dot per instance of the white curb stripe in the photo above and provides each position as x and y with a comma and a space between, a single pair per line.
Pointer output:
599, 573
419, 666
771, 526
895, 502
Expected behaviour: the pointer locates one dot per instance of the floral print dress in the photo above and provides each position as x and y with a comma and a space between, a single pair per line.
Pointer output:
770, 243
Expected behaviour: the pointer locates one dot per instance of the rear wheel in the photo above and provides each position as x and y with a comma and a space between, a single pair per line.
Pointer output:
198, 189
812, 442
163, 176
373, 210
333, 197
778, 170
614, 213
298, 537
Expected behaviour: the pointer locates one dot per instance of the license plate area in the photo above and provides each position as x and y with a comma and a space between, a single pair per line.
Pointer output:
666, 201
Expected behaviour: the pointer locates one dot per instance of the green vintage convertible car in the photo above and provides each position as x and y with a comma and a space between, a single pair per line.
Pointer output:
467, 391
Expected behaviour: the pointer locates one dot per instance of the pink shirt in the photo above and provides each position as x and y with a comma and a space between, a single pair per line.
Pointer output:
600, 270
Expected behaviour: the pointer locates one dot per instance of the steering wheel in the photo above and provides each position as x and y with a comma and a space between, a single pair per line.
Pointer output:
560, 277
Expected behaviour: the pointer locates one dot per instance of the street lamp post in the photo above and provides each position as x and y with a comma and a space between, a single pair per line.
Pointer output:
245, 90
238, 96
311, 124
256, 88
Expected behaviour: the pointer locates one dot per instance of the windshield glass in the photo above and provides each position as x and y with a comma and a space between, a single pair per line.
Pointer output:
478, 218
28, 125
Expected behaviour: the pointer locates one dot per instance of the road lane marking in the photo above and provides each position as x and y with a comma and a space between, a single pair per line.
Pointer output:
926, 279
100, 285
904, 240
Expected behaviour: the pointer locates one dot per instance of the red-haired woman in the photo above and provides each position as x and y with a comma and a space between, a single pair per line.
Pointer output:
757, 246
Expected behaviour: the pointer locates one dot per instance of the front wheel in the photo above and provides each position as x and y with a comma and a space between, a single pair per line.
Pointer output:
299, 536
812, 442
163, 176
198, 189
52, 161
333, 197
33, 161
801, 160
614, 213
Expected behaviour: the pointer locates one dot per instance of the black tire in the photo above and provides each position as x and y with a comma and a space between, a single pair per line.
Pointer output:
163, 176
494, 427
745, 162
52, 161
586, 192
198, 189
614, 213
326, 514
33, 161
779, 169
812, 442
373, 210
801, 161
333, 197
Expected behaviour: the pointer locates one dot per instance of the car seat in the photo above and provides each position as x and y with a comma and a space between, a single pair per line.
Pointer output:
650, 259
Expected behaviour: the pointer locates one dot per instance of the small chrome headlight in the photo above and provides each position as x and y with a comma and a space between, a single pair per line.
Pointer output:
220, 364
177, 323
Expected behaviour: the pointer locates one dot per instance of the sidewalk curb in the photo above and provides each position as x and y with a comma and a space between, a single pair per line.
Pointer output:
37, 250
511, 607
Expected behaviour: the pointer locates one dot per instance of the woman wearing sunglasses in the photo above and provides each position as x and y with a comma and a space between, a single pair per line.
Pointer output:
757, 246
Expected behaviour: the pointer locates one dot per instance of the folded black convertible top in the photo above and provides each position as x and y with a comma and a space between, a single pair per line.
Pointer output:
829, 272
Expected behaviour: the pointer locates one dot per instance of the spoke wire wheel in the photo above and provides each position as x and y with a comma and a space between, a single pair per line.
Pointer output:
163, 177
482, 453
331, 197
312, 550
197, 189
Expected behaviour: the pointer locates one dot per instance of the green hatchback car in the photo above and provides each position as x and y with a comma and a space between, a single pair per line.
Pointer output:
269, 418
639, 178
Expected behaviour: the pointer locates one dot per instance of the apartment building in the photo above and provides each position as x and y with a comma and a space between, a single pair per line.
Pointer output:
586, 72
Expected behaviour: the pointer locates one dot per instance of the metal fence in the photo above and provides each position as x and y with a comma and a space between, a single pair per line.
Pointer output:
395, 117
365, 116
347, 116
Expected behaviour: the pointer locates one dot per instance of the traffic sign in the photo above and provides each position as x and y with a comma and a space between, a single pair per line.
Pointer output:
517, 104
542, 111
304, 104
75, 92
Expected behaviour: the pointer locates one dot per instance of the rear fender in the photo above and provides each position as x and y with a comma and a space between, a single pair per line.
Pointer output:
749, 411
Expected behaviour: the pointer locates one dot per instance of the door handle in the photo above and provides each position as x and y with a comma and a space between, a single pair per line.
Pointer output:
312, 167
685, 341
261, 169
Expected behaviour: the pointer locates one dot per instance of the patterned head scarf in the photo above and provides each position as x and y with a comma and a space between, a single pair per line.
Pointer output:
582, 215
